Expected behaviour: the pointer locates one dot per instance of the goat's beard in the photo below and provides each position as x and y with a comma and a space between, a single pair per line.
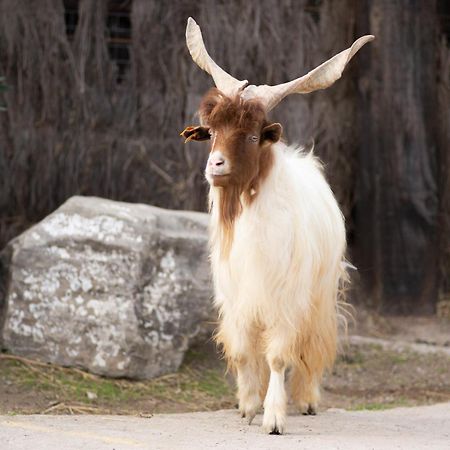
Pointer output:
229, 208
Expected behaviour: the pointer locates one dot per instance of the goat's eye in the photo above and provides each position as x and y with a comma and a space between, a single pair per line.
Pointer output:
253, 139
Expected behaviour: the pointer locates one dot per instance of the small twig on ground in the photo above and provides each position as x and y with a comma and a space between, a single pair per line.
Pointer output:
80, 409
33, 362
73, 408
53, 407
23, 360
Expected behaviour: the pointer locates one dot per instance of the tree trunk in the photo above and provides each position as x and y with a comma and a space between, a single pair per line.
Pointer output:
397, 209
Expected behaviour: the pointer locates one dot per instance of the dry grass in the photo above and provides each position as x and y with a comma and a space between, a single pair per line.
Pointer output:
358, 381
199, 385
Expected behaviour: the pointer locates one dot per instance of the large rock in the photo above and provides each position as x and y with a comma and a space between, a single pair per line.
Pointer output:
119, 289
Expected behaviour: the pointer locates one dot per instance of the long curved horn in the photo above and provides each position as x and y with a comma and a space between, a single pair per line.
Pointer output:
321, 77
229, 85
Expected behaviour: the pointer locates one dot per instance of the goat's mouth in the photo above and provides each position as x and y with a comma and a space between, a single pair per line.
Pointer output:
217, 179
213, 174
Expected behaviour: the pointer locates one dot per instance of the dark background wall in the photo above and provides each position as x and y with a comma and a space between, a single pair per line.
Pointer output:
98, 91
403, 158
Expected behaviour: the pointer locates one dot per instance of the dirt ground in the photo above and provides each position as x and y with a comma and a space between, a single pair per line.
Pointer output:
412, 428
368, 375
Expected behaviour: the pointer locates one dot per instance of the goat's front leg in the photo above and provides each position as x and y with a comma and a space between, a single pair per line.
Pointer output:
274, 421
275, 403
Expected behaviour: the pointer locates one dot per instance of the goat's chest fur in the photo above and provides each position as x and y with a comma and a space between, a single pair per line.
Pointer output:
285, 243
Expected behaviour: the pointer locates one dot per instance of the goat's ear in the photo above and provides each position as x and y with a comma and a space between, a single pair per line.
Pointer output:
195, 134
271, 133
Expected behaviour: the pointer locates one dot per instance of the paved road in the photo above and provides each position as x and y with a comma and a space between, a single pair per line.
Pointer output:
425, 427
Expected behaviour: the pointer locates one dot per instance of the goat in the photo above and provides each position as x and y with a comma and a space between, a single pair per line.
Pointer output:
277, 240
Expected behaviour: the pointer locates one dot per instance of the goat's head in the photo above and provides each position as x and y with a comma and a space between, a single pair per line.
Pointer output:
235, 115
240, 137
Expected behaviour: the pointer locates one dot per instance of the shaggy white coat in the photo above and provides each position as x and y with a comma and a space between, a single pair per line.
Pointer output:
277, 289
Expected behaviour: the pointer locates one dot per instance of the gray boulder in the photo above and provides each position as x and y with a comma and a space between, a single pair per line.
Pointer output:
119, 289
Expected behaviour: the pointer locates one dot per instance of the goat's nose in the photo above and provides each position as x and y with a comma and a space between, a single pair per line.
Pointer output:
217, 161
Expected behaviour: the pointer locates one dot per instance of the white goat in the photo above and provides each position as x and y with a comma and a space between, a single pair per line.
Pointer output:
277, 240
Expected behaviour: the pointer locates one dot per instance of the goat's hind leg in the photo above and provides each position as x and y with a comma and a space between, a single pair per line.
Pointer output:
250, 379
305, 391
242, 354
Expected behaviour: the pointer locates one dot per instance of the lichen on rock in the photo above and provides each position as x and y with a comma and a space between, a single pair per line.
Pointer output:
118, 289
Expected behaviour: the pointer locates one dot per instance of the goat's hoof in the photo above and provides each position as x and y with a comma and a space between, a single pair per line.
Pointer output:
274, 423
311, 411
248, 416
249, 408
308, 409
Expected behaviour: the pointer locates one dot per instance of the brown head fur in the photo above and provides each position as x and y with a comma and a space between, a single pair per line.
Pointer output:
241, 131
